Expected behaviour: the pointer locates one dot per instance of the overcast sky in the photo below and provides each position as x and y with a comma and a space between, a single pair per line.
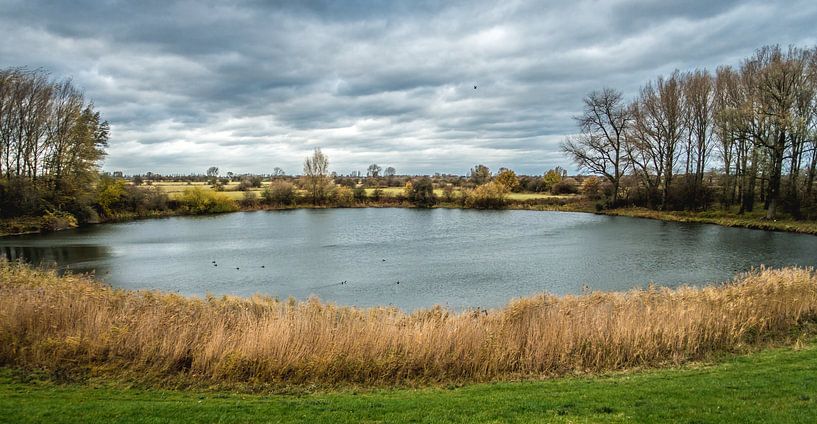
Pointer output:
255, 85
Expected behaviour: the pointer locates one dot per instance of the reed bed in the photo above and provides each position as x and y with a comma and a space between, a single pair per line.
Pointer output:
60, 324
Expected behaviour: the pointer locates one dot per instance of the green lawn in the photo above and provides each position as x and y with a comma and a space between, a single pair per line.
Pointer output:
778, 385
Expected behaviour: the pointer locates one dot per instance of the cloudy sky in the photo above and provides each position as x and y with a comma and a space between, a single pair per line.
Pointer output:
259, 84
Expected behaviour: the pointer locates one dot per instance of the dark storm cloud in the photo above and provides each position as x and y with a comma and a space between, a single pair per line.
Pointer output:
251, 85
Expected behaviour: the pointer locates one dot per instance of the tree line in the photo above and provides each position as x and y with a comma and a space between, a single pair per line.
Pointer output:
480, 189
690, 140
51, 142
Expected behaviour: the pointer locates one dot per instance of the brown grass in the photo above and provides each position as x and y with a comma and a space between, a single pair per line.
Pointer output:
64, 324
725, 218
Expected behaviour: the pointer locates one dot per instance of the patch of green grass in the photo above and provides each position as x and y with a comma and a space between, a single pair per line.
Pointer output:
776, 385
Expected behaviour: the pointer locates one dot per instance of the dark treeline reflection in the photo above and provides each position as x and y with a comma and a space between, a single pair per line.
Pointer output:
76, 258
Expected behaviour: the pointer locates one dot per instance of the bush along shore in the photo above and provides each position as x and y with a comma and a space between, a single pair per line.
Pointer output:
128, 202
73, 327
200, 201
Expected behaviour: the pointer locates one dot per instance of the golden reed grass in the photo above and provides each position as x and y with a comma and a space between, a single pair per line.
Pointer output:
50, 322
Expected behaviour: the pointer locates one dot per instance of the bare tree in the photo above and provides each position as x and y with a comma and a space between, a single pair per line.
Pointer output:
653, 144
810, 147
373, 170
316, 179
760, 118
698, 98
729, 128
779, 77
599, 148
480, 174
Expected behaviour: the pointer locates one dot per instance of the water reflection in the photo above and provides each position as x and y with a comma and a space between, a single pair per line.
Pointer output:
79, 258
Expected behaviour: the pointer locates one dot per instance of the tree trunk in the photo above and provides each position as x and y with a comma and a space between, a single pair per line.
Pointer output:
773, 196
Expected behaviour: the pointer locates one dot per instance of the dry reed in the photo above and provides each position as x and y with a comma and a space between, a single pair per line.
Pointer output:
73, 322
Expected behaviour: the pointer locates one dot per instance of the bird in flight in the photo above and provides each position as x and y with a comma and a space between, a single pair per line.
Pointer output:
475, 87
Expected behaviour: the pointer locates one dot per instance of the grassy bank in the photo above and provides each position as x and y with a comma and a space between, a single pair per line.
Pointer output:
202, 200
772, 386
230, 201
726, 218
74, 327
21, 225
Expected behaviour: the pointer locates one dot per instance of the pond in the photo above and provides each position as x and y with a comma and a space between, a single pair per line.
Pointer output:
408, 258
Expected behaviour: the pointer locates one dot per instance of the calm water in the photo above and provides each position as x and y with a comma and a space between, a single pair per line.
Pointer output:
458, 258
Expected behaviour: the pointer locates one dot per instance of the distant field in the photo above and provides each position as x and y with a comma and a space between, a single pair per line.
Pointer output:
394, 191
531, 196
174, 189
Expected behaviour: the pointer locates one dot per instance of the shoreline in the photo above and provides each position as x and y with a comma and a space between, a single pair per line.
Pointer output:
717, 218
32, 224
713, 217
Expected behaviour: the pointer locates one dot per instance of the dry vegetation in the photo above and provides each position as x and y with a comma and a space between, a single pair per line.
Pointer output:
727, 218
73, 324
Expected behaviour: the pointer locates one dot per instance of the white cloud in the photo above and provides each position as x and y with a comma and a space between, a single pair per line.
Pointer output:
248, 87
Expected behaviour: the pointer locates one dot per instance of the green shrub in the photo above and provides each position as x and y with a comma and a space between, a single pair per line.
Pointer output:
199, 201
565, 186
377, 194
154, 199
591, 187
507, 178
360, 194
343, 196
244, 185
110, 195
553, 177
487, 196
20, 196
448, 193
279, 193
55, 221
421, 192
250, 199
